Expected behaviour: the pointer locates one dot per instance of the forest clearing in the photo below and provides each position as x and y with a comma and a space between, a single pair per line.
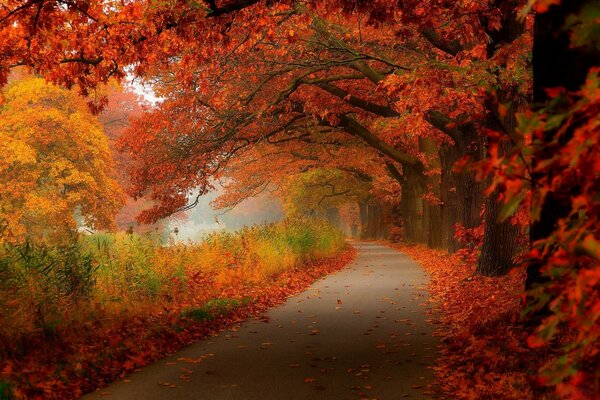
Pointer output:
334, 199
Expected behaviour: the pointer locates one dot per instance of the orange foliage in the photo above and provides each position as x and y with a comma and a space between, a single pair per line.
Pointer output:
55, 164
122, 106
483, 350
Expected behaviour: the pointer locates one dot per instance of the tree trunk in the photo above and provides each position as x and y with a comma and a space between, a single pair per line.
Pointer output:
371, 217
469, 190
425, 221
372, 223
412, 208
432, 212
362, 207
500, 239
376, 223
449, 196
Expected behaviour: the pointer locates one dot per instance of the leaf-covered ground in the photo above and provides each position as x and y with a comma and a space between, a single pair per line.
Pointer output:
484, 352
87, 356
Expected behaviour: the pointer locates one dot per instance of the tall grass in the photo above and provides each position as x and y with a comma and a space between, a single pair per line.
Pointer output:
115, 276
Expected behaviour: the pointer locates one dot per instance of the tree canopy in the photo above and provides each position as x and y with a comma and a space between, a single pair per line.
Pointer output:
476, 115
56, 163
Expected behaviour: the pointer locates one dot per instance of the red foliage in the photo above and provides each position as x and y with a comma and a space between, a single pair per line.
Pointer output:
470, 241
97, 353
563, 138
483, 349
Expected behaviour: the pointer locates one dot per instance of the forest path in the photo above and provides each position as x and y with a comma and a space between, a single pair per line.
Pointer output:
360, 333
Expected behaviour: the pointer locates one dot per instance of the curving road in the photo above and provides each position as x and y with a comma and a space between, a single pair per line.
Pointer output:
361, 333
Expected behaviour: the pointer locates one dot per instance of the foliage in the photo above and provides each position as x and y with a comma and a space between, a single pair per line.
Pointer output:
558, 164
142, 297
122, 106
315, 191
483, 350
391, 92
281, 102
570, 255
55, 164
470, 240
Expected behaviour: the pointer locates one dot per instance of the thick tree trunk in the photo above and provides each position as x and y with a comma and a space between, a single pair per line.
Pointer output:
376, 221
500, 239
469, 190
372, 220
555, 64
435, 227
432, 213
425, 221
461, 193
362, 207
449, 196
412, 209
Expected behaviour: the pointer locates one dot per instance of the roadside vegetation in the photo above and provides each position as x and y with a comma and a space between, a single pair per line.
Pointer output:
84, 312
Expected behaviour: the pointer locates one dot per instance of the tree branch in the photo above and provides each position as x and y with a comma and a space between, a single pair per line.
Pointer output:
356, 129
366, 105
452, 47
444, 123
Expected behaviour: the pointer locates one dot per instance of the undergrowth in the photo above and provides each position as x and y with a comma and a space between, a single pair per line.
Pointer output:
105, 304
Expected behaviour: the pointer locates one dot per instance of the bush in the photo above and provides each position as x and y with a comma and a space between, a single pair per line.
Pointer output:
38, 283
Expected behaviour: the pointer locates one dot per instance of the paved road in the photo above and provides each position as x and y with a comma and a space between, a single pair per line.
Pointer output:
360, 333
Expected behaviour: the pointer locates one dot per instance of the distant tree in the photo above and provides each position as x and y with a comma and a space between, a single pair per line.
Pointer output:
123, 105
55, 164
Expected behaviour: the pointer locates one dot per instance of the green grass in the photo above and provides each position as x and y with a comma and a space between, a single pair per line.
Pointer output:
213, 308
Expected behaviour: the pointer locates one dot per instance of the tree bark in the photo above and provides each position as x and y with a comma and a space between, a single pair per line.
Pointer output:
461, 193
432, 212
362, 208
500, 239
449, 196
375, 221
412, 208
372, 220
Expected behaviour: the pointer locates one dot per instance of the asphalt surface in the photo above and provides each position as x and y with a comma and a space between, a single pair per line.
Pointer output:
361, 333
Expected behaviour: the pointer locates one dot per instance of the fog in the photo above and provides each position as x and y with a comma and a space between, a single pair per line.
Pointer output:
194, 224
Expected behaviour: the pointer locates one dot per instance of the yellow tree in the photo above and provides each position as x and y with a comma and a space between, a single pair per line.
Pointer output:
55, 163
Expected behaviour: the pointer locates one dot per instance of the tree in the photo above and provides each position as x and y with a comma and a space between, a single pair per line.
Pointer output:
328, 59
122, 106
86, 42
300, 61
565, 238
56, 164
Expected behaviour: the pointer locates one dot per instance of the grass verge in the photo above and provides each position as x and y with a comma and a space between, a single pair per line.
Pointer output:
78, 317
